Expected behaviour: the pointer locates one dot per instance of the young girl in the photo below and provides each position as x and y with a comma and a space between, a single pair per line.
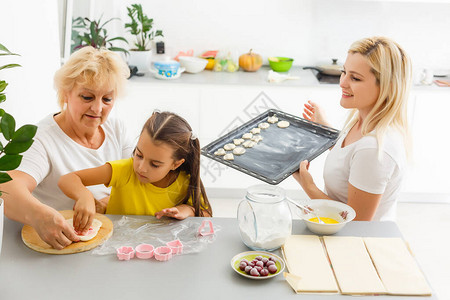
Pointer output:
161, 179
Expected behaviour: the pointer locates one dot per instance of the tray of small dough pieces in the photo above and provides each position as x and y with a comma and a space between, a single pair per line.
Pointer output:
271, 146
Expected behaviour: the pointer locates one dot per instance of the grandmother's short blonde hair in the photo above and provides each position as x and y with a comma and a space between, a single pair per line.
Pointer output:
91, 66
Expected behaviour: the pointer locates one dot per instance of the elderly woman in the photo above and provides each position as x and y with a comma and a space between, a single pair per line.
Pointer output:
79, 136
366, 167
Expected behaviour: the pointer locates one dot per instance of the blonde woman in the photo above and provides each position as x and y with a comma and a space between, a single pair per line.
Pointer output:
79, 136
366, 167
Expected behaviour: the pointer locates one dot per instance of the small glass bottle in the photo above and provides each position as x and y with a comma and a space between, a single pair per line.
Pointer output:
264, 218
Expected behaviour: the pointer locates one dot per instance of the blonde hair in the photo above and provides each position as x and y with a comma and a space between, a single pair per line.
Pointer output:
392, 69
91, 66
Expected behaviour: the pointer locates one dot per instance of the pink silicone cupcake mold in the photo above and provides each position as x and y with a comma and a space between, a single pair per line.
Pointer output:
144, 251
125, 253
163, 253
175, 246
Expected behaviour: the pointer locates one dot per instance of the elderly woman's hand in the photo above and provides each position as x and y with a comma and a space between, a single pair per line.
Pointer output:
53, 229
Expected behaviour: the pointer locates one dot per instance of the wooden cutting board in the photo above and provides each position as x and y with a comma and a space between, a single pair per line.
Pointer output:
33, 241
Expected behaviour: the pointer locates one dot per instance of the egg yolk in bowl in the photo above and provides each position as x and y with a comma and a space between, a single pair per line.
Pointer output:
325, 220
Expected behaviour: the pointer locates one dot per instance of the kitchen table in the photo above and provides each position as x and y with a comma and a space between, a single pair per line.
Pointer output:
26, 274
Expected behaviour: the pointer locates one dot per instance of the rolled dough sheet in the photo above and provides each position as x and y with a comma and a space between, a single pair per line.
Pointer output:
352, 266
396, 267
306, 260
93, 230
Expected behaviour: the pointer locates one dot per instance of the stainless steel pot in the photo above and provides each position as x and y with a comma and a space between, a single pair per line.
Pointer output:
333, 70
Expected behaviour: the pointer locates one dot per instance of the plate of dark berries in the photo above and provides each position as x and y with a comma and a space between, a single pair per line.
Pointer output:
257, 264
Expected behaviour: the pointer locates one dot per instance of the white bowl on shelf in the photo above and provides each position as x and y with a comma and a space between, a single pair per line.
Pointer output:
193, 64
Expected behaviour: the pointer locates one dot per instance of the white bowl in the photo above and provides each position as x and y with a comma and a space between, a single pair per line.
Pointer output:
193, 64
336, 210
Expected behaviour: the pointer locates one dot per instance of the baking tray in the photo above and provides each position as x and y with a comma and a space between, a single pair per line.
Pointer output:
280, 152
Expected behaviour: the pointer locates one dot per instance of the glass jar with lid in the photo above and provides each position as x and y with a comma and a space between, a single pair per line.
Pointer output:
264, 218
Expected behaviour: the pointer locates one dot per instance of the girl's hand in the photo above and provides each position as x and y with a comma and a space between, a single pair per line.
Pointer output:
180, 212
84, 212
313, 112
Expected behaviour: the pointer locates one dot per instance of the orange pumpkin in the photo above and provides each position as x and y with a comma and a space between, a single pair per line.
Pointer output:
250, 62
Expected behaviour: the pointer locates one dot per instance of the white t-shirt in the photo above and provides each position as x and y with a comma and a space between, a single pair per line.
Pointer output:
53, 154
358, 164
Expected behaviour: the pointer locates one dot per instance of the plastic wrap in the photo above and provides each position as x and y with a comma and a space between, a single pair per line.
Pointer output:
135, 230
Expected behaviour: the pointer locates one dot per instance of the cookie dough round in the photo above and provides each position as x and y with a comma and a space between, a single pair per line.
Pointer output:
237, 142
247, 136
255, 130
264, 125
220, 152
249, 144
272, 119
228, 156
229, 146
283, 124
239, 151
257, 138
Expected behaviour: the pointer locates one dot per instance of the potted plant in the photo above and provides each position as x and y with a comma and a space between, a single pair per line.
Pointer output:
14, 141
140, 26
86, 32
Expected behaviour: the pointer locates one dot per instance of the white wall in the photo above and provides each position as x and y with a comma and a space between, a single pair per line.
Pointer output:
311, 31
32, 33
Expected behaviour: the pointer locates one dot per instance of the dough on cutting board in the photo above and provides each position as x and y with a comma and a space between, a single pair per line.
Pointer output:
239, 151
220, 152
396, 267
229, 146
283, 124
264, 125
237, 142
255, 130
92, 232
273, 119
228, 156
358, 277
306, 259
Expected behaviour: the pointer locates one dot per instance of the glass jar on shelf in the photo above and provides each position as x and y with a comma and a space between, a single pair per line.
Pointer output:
264, 218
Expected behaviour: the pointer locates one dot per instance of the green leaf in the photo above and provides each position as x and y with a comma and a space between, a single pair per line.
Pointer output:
7, 125
24, 133
3, 85
9, 66
2, 97
4, 177
10, 162
7, 52
14, 147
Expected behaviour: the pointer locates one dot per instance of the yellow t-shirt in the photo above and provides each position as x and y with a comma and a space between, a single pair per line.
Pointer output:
131, 197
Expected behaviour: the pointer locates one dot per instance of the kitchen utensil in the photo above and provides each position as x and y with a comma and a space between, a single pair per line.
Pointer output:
277, 77
264, 218
144, 251
336, 210
250, 255
334, 69
280, 64
125, 253
305, 208
33, 241
193, 64
280, 152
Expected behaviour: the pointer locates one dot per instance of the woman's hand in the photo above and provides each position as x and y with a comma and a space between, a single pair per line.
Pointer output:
307, 182
313, 112
83, 216
100, 205
53, 229
179, 212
